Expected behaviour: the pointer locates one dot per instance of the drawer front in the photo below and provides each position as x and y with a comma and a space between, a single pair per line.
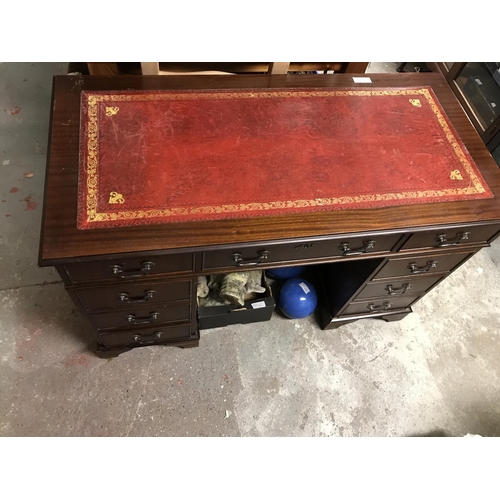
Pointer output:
380, 305
283, 252
417, 266
395, 288
151, 336
141, 316
128, 294
119, 269
445, 238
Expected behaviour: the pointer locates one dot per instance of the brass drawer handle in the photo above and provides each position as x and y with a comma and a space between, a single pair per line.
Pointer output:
383, 307
421, 270
136, 273
145, 339
240, 262
124, 297
142, 321
443, 242
398, 291
346, 249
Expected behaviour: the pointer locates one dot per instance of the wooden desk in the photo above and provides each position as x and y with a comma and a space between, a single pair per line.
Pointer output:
417, 246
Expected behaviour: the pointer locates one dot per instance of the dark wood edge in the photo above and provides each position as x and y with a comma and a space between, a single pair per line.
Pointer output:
138, 307
365, 300
449, 74
389, 312
381, 281
154, 280
352, 301
440, 277
416, 253
334, 323
142, 309
453, 269
404, 254
111, 352
271, 242
46, 178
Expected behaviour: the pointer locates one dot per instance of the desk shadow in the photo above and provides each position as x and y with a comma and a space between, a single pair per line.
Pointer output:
434, 433
481, 419
477, 420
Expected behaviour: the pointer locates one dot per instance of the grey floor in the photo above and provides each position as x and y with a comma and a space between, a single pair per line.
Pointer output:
437, 372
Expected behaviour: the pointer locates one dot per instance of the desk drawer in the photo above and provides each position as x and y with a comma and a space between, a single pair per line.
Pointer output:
395, 288
380, 305
445, 238
129, 294
417, 266
150, 336
141, 316
136, 268
253, 255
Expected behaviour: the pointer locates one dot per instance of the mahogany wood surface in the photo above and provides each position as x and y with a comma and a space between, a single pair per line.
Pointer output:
62, 241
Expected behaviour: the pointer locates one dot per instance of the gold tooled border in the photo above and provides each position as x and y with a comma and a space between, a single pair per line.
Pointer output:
92, 156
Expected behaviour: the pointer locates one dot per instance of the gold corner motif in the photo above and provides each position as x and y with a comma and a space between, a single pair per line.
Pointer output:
113, 110
416, 102
456, 175
115, 197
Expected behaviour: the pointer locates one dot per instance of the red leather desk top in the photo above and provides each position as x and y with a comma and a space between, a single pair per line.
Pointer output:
169, 156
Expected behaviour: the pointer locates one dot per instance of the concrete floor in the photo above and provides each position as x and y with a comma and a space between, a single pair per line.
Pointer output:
437, 372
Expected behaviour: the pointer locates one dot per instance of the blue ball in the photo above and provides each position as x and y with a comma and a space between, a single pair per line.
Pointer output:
284, 273
297, 298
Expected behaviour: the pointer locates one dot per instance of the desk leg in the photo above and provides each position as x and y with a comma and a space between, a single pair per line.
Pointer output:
333, 323
194, 343
337, 324
106, 353
113, 352
396, 317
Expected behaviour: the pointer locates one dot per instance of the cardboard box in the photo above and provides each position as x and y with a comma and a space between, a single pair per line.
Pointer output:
259, 309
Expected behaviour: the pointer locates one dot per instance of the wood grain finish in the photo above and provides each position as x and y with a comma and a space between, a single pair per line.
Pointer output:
116, 269
61, 240
299, 251
155, 335
129, 294
145, 316
393, 288
452, 237
378, 305
418, 265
